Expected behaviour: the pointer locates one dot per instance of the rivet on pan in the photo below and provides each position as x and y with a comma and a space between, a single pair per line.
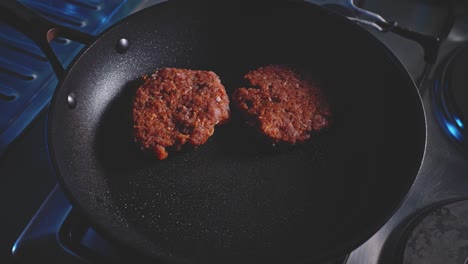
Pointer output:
71, 101
122, 45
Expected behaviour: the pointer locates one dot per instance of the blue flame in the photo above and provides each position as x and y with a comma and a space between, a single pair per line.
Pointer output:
13, 249
459, 122
453, 131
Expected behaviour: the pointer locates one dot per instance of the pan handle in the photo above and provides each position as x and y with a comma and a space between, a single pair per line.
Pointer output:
40, 30
354, 13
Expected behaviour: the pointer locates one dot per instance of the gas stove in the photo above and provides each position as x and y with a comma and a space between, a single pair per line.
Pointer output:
430, 226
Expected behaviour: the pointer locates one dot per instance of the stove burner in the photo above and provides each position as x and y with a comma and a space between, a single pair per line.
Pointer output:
440, 237
451, 96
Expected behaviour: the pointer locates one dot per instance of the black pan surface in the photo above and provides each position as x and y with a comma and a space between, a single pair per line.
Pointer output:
236, 199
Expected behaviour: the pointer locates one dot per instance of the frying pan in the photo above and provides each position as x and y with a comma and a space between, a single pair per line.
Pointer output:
234, 199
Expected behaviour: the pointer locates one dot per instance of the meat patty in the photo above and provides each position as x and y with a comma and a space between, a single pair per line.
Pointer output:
175, 107
283, 103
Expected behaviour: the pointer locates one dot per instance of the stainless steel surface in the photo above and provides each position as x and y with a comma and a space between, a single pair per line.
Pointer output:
356, 13
368, 18
429, 17
443, 175
417, 15
367, 23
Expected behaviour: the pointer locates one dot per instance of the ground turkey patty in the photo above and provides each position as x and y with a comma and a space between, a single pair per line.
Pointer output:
178, 106
284, 104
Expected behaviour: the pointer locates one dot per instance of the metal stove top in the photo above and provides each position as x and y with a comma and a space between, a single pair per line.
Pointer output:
429, 221
443, 178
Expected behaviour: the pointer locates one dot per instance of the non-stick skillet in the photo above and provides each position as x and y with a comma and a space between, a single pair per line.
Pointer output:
234, 199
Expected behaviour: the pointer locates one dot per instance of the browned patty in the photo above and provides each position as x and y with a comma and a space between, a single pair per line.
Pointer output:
176, 107
283, 104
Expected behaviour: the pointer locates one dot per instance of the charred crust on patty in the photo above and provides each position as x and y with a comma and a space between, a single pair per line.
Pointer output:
283, 103
177, 107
